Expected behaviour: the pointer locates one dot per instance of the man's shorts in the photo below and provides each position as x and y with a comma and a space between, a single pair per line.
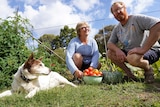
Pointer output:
151, 55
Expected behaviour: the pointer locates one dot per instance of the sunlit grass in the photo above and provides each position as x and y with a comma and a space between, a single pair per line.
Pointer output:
103, 95
127, 94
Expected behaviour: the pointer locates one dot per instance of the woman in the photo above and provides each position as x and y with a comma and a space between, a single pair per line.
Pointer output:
82, 51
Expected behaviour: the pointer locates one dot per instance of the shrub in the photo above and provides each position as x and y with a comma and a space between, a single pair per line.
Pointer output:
13, 50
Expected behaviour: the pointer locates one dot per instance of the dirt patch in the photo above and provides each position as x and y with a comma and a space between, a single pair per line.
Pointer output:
144, 96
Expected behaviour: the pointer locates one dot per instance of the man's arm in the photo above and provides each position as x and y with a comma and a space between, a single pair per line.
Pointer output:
112, 47
153, 37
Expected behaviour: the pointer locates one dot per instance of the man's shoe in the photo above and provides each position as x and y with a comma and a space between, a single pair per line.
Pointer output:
149, 76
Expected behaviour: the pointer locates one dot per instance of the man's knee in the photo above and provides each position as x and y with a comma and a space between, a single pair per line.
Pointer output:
134, 59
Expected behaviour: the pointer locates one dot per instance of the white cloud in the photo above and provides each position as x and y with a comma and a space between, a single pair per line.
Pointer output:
5, 9
85, 5
50, 17
142, 5
136, 6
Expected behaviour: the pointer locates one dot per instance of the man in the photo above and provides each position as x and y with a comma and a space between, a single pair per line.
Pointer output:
130, 33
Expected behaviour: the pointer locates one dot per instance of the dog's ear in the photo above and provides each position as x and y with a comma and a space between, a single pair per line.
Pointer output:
29, 62
40, 58
31, 57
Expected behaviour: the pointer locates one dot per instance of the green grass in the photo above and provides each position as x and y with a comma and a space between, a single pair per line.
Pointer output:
128, 94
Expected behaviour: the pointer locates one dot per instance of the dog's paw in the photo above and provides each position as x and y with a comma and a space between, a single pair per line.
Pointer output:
30, 94
75, 86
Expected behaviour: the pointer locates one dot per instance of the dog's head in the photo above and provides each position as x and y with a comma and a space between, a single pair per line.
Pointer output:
34, 67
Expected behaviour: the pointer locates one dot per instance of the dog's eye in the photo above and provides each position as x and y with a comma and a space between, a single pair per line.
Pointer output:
40, 64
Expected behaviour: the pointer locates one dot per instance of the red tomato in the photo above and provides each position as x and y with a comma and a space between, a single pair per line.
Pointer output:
85, 74
90, 73
90, 68
100, 73
94, 74
86, 70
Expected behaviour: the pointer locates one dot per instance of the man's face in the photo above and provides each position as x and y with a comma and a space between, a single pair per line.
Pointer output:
119, 12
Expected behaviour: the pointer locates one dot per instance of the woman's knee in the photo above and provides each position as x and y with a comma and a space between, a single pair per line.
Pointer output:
77, 56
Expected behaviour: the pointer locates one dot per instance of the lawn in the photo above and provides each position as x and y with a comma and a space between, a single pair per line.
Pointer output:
127, 94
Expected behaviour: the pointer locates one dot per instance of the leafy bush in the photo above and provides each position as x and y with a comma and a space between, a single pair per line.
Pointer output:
14, 32
13, 51
51, 60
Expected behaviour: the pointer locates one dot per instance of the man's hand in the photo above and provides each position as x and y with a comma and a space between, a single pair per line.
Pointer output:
121, 57
137, 50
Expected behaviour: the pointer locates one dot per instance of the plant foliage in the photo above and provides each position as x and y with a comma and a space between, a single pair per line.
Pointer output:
13, 51
61, 41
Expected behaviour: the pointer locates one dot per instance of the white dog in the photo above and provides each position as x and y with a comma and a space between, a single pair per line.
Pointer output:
34, 76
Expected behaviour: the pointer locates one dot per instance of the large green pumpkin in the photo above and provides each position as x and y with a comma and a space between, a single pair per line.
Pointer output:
112, 77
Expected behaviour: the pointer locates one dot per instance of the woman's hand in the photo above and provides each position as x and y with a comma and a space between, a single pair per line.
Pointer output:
78, 74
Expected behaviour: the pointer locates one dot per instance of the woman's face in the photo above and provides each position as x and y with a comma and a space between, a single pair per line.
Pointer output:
84, 31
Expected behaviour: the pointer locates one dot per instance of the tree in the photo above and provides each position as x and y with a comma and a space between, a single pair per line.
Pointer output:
46, 39
54, 45
66, 34
14, 31
105, 32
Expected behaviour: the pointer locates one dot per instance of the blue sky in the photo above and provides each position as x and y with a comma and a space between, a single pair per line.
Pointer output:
48, 16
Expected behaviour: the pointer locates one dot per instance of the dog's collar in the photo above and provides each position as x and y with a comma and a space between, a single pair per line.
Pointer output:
24, 78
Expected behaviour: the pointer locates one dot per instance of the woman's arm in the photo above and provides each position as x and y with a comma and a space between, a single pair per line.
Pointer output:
95, 57
69, 54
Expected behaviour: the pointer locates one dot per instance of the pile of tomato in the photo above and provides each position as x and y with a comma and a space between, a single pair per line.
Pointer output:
92, 72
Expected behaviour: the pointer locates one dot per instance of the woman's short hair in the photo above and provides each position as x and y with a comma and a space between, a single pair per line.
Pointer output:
80, 25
